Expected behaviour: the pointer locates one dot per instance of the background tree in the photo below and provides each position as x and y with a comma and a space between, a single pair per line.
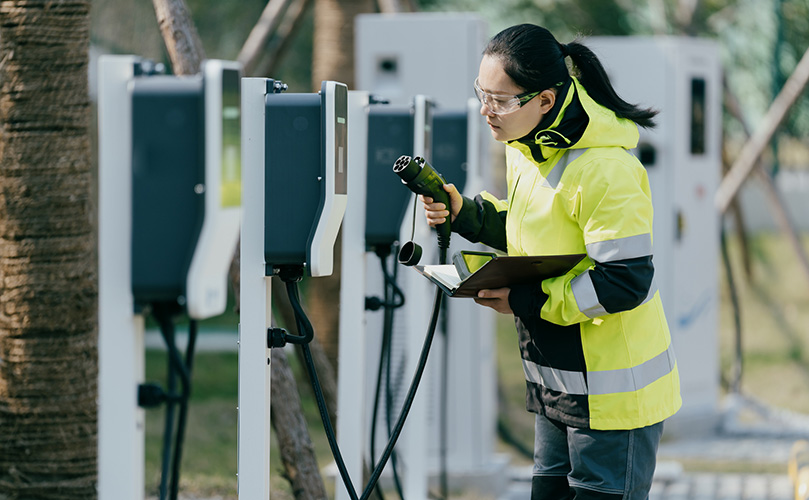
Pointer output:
48, 282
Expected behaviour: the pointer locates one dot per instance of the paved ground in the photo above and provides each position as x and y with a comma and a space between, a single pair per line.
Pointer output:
701, 486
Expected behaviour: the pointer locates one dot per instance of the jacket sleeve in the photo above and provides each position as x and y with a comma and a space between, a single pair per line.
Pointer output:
613, 208
483, 220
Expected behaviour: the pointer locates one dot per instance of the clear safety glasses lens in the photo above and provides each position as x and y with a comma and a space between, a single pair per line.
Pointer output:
500, 104
497, 104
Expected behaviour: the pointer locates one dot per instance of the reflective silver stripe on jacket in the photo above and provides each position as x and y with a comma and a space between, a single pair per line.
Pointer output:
630, 247
556, 173
607, 251
632, 379
556, 380
601, 382
586, 298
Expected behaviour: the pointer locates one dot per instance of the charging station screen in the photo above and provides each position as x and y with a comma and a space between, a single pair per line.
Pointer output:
340, 140
231, 140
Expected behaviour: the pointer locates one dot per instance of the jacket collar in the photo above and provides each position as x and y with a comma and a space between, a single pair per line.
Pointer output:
576, 121
561, 128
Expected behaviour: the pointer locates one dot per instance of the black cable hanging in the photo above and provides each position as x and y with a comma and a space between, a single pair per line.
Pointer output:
178, 367
306, 331
444, 410
386, 362
736, 377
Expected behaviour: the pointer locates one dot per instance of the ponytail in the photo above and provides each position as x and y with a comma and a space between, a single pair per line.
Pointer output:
595, 80
535, 61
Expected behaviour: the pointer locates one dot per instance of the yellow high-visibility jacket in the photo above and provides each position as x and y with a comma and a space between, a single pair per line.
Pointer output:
596, 348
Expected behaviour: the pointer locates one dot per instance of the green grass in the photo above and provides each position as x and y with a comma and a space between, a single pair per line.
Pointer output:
775, 312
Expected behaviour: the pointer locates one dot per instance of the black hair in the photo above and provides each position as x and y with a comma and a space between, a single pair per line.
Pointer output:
535, 60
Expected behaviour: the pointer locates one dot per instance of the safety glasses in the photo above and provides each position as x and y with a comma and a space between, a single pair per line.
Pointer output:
502, 104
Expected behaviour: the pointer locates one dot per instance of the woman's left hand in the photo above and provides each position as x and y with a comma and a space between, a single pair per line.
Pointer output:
497, 299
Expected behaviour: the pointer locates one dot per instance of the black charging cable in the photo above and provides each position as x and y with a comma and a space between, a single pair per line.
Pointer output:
391, 293
305, 330
444, 410
151, 395
279, 337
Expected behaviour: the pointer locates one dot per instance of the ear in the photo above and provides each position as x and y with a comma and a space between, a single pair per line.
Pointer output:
547, 98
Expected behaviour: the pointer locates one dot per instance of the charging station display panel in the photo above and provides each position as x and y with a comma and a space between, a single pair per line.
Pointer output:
168, 173
206, 286
231, 188
292, 175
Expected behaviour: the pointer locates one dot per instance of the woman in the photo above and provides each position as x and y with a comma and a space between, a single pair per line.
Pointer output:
600, 371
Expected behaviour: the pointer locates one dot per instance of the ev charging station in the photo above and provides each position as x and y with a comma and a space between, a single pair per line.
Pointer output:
169, 210
295, 163
682, 78
393, 64
380, 133
378, 216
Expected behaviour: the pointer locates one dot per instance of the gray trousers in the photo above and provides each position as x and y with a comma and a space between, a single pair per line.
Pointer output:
583, 464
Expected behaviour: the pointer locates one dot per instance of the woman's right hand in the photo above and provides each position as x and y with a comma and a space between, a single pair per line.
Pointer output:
437, 213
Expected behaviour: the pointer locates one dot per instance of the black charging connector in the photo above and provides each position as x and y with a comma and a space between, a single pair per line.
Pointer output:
151, 395
423, 179
276, 337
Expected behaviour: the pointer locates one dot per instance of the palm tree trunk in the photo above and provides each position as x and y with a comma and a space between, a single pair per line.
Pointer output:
48, 283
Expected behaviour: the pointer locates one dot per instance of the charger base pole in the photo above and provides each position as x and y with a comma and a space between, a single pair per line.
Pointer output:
121, 422
352, 365
255, 294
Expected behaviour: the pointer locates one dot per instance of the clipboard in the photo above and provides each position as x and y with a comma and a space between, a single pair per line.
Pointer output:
498, 272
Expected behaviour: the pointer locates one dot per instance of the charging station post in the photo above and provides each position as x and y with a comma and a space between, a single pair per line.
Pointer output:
374, 220
121, 422
294, 148
352, 304
381, 219
169, 208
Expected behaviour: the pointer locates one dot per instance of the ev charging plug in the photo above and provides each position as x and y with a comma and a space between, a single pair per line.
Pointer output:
422, 179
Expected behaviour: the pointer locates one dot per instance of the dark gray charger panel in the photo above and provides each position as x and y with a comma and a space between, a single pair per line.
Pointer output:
168, 170
293, 175
390, 135
449, 146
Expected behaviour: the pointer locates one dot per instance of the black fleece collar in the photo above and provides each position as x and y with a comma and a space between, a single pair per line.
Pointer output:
566, 133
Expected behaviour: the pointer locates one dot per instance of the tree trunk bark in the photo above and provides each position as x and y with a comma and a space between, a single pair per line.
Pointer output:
287, 30
261, 33
180, 36
290, 428
48, 281
754, 147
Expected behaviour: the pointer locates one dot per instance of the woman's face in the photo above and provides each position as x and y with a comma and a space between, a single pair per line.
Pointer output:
493, 79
